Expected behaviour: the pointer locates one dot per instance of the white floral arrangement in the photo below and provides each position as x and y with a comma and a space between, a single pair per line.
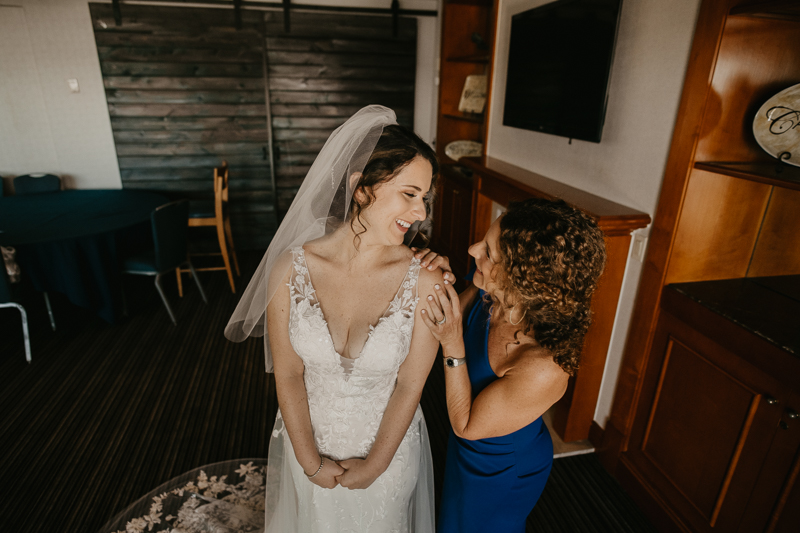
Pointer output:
208, 504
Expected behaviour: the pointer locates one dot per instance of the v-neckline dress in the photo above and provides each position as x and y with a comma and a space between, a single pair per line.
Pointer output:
346, 407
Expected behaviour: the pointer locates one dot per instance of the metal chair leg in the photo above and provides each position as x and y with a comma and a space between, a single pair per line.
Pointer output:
25, 335
164, 299
50, 311
197, 280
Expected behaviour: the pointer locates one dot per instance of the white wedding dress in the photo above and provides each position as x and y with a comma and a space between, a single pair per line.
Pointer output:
346, 400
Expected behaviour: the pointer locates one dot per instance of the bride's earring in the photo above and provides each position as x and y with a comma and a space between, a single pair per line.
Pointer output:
511, 314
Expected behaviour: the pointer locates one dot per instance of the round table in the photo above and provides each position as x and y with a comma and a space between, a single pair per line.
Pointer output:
70, 241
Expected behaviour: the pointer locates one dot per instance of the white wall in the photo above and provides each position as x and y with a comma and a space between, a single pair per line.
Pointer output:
81, 146
627, 166
46, 128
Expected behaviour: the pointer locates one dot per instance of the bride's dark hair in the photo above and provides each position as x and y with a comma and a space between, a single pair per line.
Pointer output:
396, 148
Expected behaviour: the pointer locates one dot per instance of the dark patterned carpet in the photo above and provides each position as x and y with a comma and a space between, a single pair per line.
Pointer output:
106, 413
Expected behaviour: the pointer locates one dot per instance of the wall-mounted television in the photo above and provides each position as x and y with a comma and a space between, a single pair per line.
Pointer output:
559, 63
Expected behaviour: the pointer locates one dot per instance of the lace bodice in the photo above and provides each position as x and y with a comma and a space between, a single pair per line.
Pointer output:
347, 398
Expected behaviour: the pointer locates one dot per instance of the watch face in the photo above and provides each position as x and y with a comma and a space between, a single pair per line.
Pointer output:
451, 362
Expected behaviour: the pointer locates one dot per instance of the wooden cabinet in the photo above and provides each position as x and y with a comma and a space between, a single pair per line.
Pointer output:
715, 437
703, 431
452, 221
467, 40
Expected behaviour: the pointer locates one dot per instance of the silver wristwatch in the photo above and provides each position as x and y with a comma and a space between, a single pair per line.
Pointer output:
454, 362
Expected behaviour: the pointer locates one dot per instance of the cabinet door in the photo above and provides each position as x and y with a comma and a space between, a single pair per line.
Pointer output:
703, 429
775, 502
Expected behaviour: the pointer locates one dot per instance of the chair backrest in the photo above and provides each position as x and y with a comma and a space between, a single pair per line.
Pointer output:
36, 183
170, 225
220, 188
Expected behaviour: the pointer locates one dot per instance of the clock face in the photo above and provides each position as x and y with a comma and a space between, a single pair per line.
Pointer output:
776, 126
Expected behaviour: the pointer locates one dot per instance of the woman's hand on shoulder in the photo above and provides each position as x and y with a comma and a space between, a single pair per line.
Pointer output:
432, 260
327, 478
357, 473
441, 312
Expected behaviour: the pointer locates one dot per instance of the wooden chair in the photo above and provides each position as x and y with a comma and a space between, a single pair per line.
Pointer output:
219, 218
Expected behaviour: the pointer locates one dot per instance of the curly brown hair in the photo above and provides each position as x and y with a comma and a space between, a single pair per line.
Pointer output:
551, 256
396, 149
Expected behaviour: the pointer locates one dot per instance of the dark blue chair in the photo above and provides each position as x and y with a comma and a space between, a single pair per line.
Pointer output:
5, 301
36, 183
170, 227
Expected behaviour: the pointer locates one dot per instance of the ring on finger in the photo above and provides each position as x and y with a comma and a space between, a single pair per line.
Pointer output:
442, 321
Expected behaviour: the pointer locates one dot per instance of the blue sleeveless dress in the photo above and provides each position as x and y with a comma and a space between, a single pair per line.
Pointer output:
491, 485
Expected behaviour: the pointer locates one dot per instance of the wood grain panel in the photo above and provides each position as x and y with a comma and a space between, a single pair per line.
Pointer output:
176, 54
137, 96
131, 68
331, 59
682, 412
361, 45
186, 110
231, 83
757, 58
241, 124
342, 26
278, 83
397, 99
322, 72
718, 228
776, 252
194, 136
185, 91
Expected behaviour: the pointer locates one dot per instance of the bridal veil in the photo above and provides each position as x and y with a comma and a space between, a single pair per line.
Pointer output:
320, 207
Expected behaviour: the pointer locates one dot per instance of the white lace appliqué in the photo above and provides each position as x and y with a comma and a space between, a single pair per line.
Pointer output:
347, 405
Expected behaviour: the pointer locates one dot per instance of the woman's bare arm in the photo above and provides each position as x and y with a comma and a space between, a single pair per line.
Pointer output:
291, 389
520, 396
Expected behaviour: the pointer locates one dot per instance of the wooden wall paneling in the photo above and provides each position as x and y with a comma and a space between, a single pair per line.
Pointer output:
757, 58
324, 70
710, 23
777, 252
718, 228
185, 90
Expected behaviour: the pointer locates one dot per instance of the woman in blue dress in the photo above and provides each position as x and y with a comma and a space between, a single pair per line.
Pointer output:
510, 343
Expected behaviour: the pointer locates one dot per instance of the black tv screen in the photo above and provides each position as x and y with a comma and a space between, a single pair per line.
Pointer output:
558, 67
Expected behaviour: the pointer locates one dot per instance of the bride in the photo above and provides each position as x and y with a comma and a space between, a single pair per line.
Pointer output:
336, 299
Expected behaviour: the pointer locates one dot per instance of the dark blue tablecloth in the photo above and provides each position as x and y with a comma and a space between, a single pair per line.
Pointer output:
72, 241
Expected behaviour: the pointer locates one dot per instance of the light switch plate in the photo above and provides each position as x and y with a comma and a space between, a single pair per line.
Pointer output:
639, 246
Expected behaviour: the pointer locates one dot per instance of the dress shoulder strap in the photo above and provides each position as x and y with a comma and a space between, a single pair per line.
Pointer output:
300, 287
407, 296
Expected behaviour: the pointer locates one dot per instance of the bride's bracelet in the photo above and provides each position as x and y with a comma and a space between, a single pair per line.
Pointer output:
321, 462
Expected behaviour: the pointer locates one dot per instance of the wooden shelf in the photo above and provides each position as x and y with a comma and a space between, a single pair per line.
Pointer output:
775, 9
477, 119
475, 58
780, 175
